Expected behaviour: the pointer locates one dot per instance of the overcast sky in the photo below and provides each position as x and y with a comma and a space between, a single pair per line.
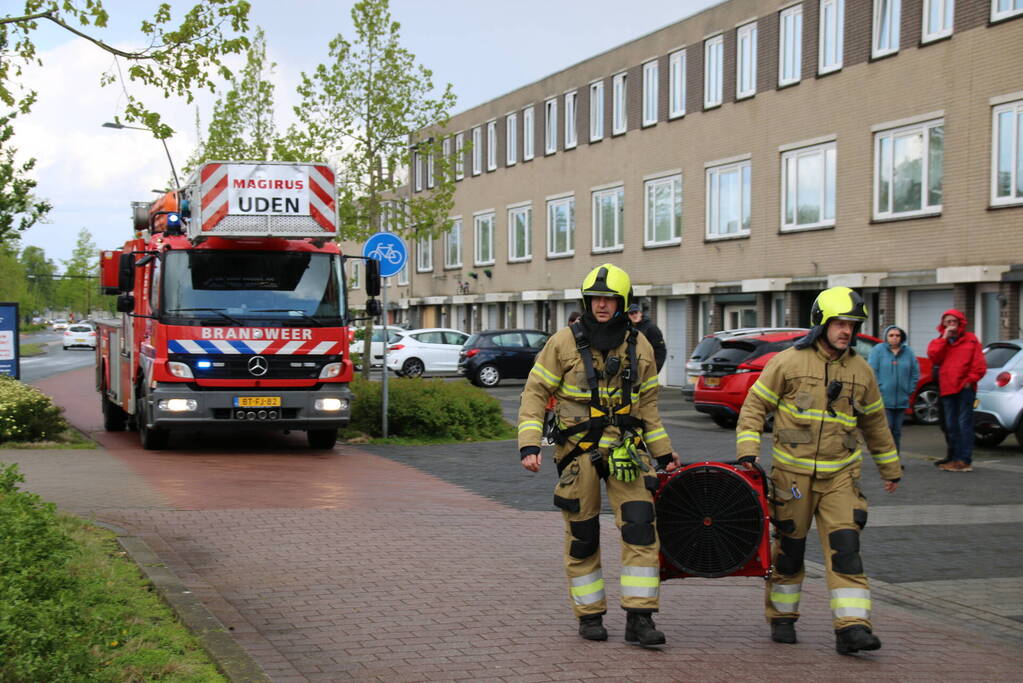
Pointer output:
484, 48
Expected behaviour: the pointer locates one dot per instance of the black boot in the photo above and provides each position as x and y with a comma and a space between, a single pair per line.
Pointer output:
591, 627
855, 638
639, 628
783, 630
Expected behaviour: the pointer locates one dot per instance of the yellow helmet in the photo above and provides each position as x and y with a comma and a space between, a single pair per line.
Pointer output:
608, 280
837, 303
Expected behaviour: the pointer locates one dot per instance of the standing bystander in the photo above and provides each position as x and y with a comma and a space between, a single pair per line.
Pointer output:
650, 331
897, 372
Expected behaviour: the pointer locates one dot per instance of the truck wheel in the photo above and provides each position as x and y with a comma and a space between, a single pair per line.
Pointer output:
114, 418
322, 439
153, 438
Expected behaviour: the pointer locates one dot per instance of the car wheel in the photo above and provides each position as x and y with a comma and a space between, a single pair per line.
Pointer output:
488, 376
724, 421
322, 439
925, 408
988, 436
413, 367
64, 347
1019, 433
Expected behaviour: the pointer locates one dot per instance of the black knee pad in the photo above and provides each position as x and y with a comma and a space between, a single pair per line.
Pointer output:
790, 559
785, 526
860, 518
845, 551
638, 522
585, 538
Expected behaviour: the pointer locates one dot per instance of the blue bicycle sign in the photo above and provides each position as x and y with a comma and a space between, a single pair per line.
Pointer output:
389, 249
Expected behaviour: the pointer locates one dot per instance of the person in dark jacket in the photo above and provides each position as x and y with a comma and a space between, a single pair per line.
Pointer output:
651, 332
897, 371
959, 354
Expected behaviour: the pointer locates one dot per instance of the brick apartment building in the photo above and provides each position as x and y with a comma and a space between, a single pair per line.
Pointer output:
739, 161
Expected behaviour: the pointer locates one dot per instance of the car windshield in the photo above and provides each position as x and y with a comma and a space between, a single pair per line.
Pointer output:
204, 286
997, 355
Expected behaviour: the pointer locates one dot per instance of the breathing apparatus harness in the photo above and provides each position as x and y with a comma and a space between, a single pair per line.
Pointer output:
604, 415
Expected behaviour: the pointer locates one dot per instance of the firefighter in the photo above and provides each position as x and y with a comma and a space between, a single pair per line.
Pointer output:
603, 374
821, 392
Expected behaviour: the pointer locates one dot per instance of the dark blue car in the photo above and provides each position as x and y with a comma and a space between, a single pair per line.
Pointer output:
490, 356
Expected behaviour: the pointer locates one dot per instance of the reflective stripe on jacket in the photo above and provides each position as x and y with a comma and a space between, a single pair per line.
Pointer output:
558, 370
808, 437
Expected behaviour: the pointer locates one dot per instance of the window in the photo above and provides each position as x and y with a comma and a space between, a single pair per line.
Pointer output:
483, 230
596, 111
453, 245
550, 126
570, 111
491, 145
650, 93
511, 142
1003, 9
619, 113
608, 210
663, 217
790, 46
728, 200
561, 227
446, 152
355, 281
808, 187
909, 170
832, 32
677, 84
459, 156
424, 254
746, 61
520, 229
937, 19
1007, 154
713, 71
886, 27
429, 168
402, 275
527, 134
417, 170
477, 150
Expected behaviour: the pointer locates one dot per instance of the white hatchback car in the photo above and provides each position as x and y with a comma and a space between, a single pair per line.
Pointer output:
377, 348
79, 334
434, 349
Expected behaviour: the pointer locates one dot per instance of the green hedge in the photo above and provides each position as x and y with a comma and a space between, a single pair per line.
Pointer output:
27, 414
429, 409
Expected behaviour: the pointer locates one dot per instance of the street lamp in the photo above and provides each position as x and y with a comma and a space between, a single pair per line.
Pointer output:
118, 125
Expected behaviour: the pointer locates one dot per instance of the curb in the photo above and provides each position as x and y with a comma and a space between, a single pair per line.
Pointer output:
230, 658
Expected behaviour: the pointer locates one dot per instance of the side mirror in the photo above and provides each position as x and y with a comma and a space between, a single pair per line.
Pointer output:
126, 273
372, 277
125, 303
373, 308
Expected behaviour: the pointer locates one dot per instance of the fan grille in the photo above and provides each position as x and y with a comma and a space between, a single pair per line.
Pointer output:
709, 521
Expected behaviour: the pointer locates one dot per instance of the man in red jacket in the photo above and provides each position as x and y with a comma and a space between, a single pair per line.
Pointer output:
959, 354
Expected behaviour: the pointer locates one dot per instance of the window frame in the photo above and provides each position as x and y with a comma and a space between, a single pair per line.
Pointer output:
478, 220
677, 199
618, 194
445, 150
528, 132
790, 41
619, 104
417, 170
424, 254
526, 210
448, 234
821, 149
925, 209
403, 277
948, 26
477, 150
459, 155
429, 170
571, 113
750, 29
716, 44
552, 204
677, 66
511, 138
597, 111
550, 127
651, 93
492, 145
743, 167
894, 8
1016, 163
1002, 15
824, 35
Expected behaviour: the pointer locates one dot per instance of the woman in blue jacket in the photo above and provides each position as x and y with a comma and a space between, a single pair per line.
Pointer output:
897, 372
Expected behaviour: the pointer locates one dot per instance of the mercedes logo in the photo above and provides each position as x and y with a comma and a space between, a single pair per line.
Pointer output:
258, 366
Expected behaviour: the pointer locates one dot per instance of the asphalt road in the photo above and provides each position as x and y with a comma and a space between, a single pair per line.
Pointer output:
56, 360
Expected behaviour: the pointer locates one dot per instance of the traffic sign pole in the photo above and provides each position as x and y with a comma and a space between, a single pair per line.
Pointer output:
390, 250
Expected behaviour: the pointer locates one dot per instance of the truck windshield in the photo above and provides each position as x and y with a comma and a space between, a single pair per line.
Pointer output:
252, 287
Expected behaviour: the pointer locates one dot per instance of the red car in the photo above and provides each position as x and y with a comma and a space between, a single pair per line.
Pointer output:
731, 371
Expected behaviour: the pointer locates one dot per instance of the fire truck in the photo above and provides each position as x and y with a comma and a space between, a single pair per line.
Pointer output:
232, 306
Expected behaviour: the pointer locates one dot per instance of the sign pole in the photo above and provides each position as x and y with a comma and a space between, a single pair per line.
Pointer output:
383, 369
390, 250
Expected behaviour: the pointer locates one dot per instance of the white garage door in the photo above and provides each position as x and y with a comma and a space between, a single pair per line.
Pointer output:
675, 338
925, 309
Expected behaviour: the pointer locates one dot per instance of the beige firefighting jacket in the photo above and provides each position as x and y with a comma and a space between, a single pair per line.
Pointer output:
559, 371
808, 438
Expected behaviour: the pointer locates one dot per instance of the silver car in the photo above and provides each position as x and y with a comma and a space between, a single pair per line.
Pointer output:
999, 410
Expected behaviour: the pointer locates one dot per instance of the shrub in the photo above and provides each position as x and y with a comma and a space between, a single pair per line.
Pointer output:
27, 414
429, 408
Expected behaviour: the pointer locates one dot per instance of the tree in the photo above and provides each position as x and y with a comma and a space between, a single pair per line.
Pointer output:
12, 284
20, 209
41, 288
78, 290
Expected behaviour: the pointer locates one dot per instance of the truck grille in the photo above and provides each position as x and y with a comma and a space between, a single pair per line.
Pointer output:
223, 366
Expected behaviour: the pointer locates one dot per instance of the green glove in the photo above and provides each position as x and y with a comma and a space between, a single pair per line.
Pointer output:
622, 463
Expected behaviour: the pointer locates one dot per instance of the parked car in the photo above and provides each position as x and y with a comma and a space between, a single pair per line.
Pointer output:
730, 372
411, 353
79, 334
356, 345
999, 410
711, 343
490, 356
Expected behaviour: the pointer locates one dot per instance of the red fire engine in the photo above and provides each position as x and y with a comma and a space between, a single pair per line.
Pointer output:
233, 308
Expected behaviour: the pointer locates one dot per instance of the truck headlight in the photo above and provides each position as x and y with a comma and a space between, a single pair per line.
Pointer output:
177, 405
331, 405
330, 370
179, 370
